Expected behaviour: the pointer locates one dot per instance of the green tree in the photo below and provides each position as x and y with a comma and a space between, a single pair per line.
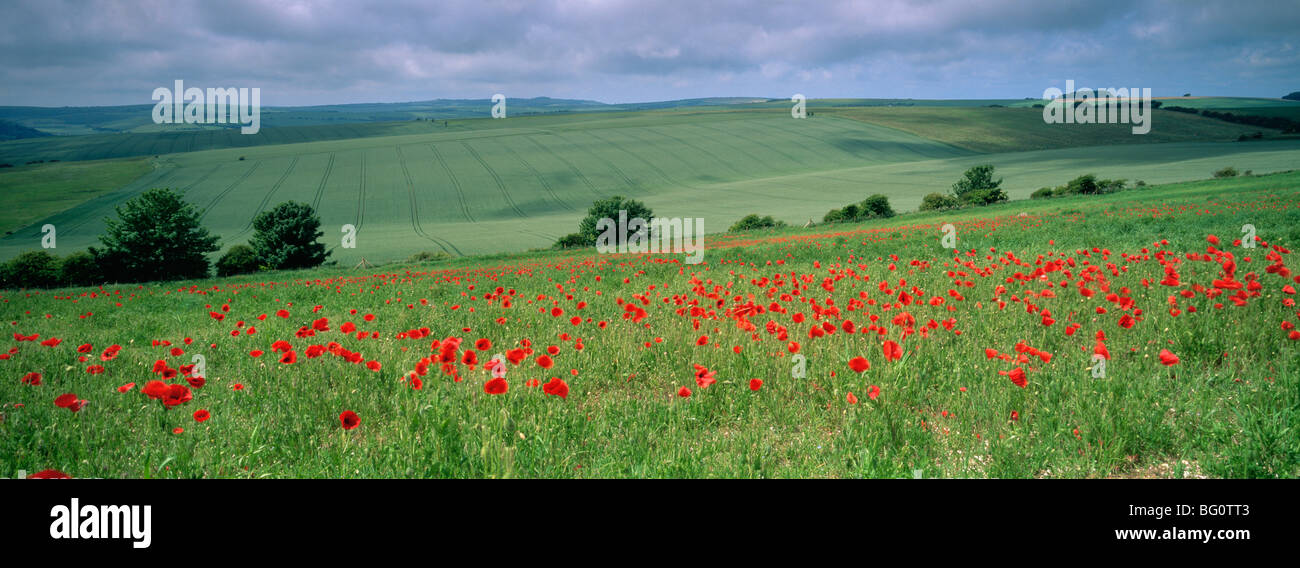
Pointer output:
285, 237
32, 269
938, 202
977, 186
605, 209
80, 269
875, 207
157, 236
240, 259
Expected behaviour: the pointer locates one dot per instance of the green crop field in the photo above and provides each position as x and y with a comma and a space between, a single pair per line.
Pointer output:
486, 186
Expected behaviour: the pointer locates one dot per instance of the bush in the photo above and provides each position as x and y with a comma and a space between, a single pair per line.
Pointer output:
835, 216
1226, 172
977, 186
572, 240
429, 256
753, 221
240, 259
1083, 185
286, 237
986, 196
32, 269
1111, 185
80, 269
157, 236
875, 207
938, 202
1041, 193
588, 229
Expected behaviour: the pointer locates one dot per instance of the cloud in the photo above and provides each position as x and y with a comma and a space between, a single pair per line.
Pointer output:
75, 53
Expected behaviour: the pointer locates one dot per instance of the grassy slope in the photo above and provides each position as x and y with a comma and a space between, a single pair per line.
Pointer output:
1020, 129
1225, 410
36, 191
520, 183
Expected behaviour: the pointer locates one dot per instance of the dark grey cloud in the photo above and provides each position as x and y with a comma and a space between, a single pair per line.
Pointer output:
73, 53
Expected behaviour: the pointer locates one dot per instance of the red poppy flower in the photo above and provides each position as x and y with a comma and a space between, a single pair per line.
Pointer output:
201, 415
859, 364
349, 420
545, 362
65, 400
1017, 376
684, 392
33, 379
755, 384
852, 399
556, 387
873, 391
126, 387
49, 474
1167, 358
893, 351
496, 386
483, 344
155, 389
177, 395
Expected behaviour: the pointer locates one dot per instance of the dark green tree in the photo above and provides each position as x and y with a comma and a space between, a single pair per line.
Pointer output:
32, 269
605, 209
157, 236
978, 187
80, 269
240, 259
285, 237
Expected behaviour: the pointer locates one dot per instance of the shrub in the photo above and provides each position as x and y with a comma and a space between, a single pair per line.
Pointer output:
572, 240
157, 236
285, 237
589, 228
1111, 185
80, 269
978, 187
1226, 172
240, 259
32, 269
875, 207
1083, 185
835, 216
429, 256
753, 221
938, 202
1041, 193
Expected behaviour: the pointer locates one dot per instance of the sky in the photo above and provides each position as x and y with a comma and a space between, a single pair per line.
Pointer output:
59, 53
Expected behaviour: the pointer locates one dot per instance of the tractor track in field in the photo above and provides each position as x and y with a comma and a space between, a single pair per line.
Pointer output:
320, 189
815, 139
455, 183
201, 179
124, 193
361, 195
648, 163
715, 187
267, 198
739, 149
746, 151
617, 171
415, 208
775, 148
703, 151
572, 169
542, 180
500, 184
229, 189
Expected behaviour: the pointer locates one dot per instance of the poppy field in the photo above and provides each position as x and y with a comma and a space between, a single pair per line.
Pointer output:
1135, 334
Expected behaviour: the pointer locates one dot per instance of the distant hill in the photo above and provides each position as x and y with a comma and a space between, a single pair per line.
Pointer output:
14, 131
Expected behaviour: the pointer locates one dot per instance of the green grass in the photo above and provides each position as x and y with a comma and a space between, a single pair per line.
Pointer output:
1023, 129
1227, 409
34, 192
